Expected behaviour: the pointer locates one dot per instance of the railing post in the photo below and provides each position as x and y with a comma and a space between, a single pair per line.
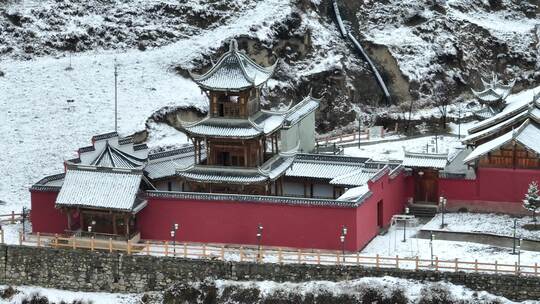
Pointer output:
241, 254
299, 256
280, 257
496, 267
166, 248
20, 238
74, 242
516, 268
56, 240
456, 268
535, 269
436, 263
397, 261
416, 262
357, 258
204, 251
475, 265
377, 261
92, 243
147, 248
12, 217
185, 250
2, 236
318, 257
110, 245
128, 247
38, 240
222, 253
337, 258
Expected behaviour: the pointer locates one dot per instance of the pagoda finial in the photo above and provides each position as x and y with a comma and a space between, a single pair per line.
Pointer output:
233, 45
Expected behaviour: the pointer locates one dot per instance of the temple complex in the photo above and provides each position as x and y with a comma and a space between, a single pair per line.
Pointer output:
247, 166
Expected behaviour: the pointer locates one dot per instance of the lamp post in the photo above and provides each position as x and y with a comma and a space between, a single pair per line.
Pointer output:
519, 255
431, 238
359, 127
259, 237
514, 237
442, 201
342, 240
405, 225
174, 228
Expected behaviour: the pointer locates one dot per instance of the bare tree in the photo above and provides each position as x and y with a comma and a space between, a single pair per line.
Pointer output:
442, 95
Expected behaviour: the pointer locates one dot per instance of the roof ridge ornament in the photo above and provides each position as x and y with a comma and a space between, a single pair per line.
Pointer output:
233, 45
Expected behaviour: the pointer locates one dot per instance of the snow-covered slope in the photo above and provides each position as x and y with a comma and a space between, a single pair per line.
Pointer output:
454, 41
41, 128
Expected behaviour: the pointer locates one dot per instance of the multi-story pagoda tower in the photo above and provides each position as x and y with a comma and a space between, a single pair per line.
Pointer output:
493, 97
238, 146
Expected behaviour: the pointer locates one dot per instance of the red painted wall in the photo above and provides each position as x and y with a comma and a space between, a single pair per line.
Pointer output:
46, 218
236, 223
494, 189
284, 225
393, 194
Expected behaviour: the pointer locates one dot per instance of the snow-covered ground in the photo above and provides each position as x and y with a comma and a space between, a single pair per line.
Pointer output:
411, 288
391, 244
57, 295
41, 129
395, 150
499, 224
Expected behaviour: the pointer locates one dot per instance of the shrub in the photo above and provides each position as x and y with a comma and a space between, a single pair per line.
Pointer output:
435, 294
8, 292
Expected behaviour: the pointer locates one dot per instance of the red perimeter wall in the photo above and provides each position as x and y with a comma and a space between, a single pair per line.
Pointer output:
44, 217
494, 189
299, 226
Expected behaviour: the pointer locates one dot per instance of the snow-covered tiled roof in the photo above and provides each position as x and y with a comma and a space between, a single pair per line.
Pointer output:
164, 164
356, 178
425, 160
109, 150
324, 166
494, 90
299, 111
519, 118
234, 71
355, 194
98, 188
512, 109
269, 171
224, 127
515, 119
485, 113
528, 134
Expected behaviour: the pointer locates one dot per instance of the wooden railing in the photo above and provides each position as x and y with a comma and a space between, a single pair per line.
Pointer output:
273, 255
11, 218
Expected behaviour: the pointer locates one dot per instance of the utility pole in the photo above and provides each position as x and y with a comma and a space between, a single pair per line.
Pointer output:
115, 96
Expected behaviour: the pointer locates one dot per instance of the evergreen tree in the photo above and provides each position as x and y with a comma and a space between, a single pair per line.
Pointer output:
532, 199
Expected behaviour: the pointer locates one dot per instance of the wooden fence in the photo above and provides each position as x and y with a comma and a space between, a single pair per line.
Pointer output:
273, 255
11, 218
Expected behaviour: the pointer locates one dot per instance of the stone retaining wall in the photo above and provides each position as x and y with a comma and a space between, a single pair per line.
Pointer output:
100, 271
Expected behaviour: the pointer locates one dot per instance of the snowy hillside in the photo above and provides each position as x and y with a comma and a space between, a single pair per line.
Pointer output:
154, 43
453, 41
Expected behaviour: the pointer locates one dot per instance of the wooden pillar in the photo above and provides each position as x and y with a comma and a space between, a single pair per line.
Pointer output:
281, 186
69, 219
513, 154
245, 154
115, 229
126, 224
81, 220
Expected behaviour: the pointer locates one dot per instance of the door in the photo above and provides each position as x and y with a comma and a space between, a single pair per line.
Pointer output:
380, 218
426, 186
